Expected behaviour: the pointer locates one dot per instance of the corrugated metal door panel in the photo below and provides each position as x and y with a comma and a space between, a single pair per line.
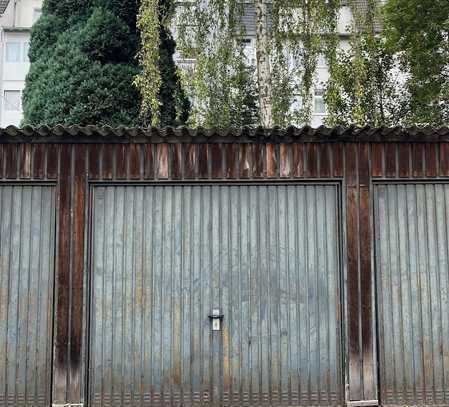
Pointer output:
411, 226
165, 256
27, 238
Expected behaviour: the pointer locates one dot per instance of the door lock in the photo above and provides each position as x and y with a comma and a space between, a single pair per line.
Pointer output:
216, 319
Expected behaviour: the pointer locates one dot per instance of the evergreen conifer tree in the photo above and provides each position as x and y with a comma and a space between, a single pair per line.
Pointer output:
83, 62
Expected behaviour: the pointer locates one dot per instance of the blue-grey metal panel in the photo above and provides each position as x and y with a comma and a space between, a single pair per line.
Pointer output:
411, 227
163, 257
27, 223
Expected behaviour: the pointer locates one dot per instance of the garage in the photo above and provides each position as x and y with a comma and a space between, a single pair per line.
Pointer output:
27, 244
212, 294
412, 263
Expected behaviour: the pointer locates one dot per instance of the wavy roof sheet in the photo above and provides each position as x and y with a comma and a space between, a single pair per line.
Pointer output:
83, 134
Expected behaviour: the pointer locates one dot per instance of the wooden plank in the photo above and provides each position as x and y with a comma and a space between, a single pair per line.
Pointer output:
444, 159
298, 159
120, 161
258, 160
52, 161
162, 160
11, 161
431, 160
312, 160
203, 161
377, 160
366, 306
245, 160
337, 160
25, 160
217, 160
390, 160
271, 160
148, 161
107, 166
285, 166
134, 161
404, 160
2, 161
355, 385
176, 154
325, 160
39, 161
76, 313
351, 151
94, 161
231, 161
363, 166
190, 161
417, 160
62, 313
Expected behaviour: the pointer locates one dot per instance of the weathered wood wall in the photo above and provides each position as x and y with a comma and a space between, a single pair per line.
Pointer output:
356, 165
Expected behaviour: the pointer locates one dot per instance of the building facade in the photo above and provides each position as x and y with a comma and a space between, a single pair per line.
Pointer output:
16, 20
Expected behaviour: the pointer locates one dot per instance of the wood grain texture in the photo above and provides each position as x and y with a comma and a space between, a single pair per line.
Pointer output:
148, 161
75, 392
10, 155
325, 161
312, 160
285, 166
390, 160
203, 161
134, 161
377, 159
418, 160
38, 170
94, 161
25, 155
258, 160
431, 160
190, 161
444, 159
404, 160
62, 302
121, 165
245, 160
298, 160
52, 161
176, 151
271, 160
107, 162
231, 162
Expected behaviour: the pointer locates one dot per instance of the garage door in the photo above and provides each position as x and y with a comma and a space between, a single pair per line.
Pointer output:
27, 223
412, 228
215, 295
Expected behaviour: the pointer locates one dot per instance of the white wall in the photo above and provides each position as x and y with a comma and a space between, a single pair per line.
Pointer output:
15, 26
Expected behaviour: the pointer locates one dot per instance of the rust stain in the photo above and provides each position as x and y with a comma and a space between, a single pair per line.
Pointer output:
226, 371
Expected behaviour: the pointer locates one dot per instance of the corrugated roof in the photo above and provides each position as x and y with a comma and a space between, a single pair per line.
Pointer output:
72, 134
3, 5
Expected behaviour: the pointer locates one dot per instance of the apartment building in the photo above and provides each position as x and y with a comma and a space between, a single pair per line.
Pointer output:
16, 19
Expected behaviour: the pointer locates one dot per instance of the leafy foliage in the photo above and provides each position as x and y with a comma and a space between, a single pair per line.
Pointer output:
82, 57
418, 31
163, 99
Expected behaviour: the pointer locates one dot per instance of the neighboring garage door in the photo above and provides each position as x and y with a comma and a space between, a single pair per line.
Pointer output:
266, 257
27, 239
412, 228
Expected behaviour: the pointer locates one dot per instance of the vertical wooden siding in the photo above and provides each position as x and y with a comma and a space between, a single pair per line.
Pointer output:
71, 166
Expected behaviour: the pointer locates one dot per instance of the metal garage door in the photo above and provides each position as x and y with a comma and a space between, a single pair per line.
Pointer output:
27, 222
165, 257
411, 226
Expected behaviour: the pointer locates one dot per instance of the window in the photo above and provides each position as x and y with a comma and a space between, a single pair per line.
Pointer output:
12, 100
318, 100
26, 48
13, 52
37, 12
